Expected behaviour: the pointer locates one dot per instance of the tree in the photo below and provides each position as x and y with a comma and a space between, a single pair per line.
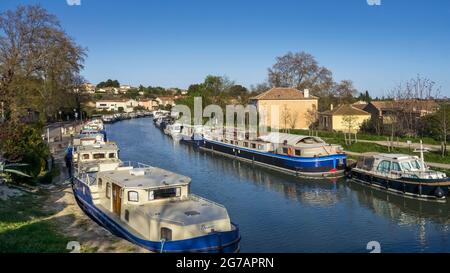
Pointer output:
311, 117
38, 62
286, 117
301, 71
109, 83
409, 100
350, 122
437, 126
345, 91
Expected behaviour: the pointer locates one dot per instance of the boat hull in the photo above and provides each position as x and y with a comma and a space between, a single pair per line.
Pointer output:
327, 166
219, 242
433, 190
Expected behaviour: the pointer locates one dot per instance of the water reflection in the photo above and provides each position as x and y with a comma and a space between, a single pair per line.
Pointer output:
281, 213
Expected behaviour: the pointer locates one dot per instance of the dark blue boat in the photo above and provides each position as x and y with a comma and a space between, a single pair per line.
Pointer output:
299, 155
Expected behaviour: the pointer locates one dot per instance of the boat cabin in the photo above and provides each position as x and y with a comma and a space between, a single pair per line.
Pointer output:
157, 204
88, 137
396, 165
108, 152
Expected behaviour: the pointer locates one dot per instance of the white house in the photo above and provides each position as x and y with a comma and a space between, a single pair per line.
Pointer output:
117, 105
125, 88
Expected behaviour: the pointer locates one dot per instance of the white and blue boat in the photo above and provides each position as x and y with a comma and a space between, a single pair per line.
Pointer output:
153, 208
299, 155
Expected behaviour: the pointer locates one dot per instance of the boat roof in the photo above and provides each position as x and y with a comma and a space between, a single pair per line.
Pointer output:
149, 177
98, 147
186, 212
390, 156
292, 140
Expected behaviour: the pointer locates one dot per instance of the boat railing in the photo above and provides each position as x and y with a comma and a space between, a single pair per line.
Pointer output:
135, 165
199, 198
90, 179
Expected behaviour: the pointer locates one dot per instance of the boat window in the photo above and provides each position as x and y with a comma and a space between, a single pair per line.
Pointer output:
406, 166
133, 196
166, 234
112, 155
246, 144
231, 142
384, 166
100, 183
415, 165
108, 190
253, 146
99, 156
86, 156
285, 150
395, 167
163, 194
298, 152
260, 147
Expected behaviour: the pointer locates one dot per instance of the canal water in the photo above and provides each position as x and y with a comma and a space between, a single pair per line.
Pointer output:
282, 213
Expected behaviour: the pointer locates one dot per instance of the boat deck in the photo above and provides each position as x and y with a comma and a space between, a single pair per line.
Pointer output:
194, 210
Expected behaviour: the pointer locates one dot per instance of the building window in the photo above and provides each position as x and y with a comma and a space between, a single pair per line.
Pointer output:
133, 196
166, 234
108, 190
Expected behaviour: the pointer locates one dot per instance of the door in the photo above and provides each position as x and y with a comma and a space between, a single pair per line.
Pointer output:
117, 199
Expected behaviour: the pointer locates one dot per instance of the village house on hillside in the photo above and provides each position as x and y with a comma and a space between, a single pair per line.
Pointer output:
344, 118
296, 109
117, 105
164, 101
88, 88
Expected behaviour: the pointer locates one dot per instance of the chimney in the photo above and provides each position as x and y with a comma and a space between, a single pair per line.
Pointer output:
306, 93
331, 107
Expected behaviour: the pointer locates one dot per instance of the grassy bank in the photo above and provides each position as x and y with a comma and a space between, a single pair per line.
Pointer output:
370, 137
364, 147
24, 227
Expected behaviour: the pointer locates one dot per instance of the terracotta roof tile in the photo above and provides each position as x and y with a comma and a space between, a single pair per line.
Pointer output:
346, 110
280, 93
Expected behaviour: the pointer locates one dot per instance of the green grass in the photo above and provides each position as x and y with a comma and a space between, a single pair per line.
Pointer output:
364, 147
24, 229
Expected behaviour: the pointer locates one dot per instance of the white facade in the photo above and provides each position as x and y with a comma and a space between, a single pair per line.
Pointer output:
116, 105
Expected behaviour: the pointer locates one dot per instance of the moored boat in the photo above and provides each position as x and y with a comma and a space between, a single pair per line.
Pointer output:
401, 174
293, 154
154, 209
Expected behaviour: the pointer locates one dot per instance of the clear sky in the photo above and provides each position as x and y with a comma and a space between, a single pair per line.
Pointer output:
174, 43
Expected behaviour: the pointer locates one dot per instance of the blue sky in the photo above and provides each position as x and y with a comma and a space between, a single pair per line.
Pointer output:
174, 43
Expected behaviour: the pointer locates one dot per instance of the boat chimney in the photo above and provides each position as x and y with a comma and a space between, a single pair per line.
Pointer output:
306, 93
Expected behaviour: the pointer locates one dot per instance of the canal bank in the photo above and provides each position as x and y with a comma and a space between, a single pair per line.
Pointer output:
280, 213
46, 218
